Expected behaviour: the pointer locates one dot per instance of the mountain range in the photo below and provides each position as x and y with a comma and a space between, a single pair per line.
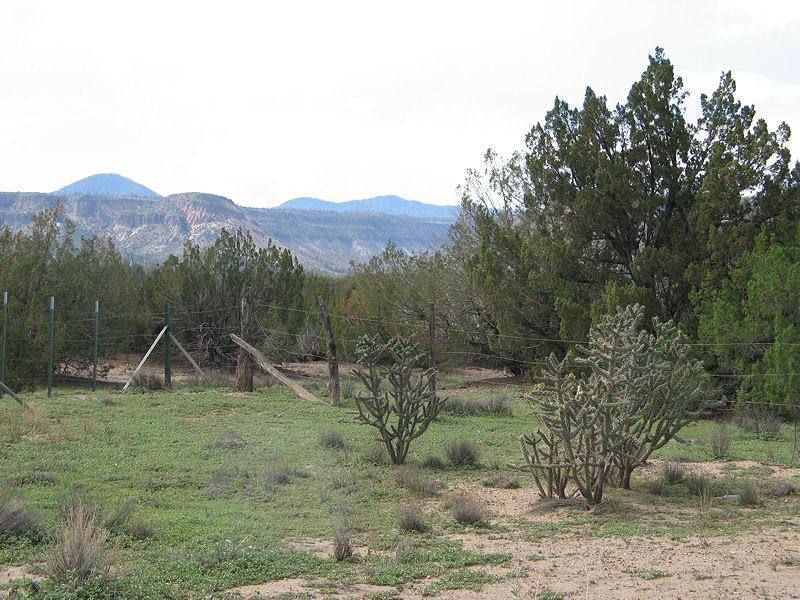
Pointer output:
147, 227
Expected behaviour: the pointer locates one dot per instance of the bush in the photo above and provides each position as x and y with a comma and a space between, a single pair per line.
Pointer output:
15, 516
748, 494
672, 472
764, 425
499, 403
502, 481
332, 439
79, 552
141, 529
342, 546
468, 510
461, 453
411, 518
720, 441
416, 481
697, 484
433, 462
147, 382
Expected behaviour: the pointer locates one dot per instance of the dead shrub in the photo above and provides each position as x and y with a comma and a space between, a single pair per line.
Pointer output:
782, 488
79, 550
468, 510
147, 382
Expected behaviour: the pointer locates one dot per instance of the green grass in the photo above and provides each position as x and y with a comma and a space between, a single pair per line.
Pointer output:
226, 482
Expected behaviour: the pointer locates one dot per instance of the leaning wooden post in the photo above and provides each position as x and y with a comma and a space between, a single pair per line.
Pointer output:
333, 365
244, 362
432, 340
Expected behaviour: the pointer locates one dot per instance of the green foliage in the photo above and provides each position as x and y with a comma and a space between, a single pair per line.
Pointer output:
751, 324
404, 411
611, 206
44, 261
205, 287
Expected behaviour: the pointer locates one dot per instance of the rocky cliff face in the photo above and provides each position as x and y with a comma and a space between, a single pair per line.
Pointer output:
150, 229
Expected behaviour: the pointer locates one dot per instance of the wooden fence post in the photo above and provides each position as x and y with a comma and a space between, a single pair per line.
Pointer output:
333, 365
244, 362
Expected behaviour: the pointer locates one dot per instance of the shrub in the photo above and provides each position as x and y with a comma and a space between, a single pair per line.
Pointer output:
15, 516
748, 494
498, 403
404, 411
416, 481
433, 462
720, 441
79, 552
697, 483
277, 476
502, 481
764, 425
374, 453
346, 387
468, 510
672, 472
411, 518
141, 529
147, 382
342, 546
655, 486
461, 453
332, 439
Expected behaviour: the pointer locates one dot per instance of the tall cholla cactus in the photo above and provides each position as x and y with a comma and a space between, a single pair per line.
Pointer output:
403, 410
636, 392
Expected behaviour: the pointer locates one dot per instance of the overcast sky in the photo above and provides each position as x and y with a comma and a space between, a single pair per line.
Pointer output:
266, 101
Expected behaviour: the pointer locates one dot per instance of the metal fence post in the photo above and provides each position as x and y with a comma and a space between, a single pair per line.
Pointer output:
167, 350
96, 329
3, 350
50, 362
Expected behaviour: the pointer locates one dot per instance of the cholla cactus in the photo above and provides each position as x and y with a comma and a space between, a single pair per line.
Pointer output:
636, 391
404, 409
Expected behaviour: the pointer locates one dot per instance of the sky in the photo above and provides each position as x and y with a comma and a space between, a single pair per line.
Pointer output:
266, 101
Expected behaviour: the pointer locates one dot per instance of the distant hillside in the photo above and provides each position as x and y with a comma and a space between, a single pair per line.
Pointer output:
150, 229
108, 184
392, 205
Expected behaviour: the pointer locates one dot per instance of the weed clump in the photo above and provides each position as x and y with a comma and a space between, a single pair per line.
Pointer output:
332, 439
147, 382
15, 516
141, 529
720, 441
433, 462
697, 484
416, 481
468, 510
411, 518
502, 481
672, 472
342, 546
79, 550
764, 425
462, 453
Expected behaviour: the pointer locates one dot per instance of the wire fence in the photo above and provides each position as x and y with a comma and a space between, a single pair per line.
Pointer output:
118, 341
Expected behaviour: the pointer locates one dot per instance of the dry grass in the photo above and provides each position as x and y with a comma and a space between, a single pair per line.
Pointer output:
410, 517
720, 441
15, 516
468, 510
79, 550
462, 453
415, 481
342, 546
